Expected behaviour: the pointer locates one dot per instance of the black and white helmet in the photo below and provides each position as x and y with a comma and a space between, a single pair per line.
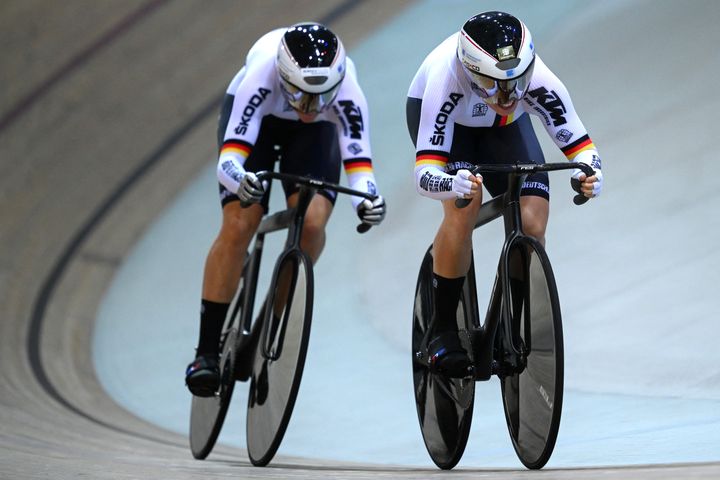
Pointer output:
497, 53
311, 66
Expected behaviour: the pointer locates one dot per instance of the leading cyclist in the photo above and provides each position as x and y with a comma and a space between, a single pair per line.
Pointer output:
467, 105
297, 90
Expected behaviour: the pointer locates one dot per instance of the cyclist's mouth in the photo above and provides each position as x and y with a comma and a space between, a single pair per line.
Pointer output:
508, 105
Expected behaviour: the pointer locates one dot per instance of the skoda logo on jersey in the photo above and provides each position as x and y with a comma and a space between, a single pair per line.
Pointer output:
255, 101
438, 137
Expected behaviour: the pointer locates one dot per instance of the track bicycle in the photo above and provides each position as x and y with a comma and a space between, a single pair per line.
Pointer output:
271, 350
520, 341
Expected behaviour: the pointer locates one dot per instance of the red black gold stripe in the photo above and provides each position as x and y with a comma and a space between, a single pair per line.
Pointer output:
501, 121
236, 146
580, 145
431, 157
358, 165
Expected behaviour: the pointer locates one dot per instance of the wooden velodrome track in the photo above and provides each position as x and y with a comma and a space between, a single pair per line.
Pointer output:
107, 109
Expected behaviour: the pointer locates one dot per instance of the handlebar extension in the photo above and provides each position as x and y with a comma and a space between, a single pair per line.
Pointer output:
521, 168
317, 184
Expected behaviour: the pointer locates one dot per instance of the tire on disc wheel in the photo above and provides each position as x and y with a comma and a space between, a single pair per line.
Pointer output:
280, 356
532, 399
444, 405
207, 414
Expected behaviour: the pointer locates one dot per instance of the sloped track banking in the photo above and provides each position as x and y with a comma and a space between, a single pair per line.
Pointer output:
61, 419
63, 234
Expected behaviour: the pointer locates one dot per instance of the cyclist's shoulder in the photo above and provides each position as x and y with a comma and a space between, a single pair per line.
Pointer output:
440, 73
441, 57
259, 70
350, 89
545, 80
265, 47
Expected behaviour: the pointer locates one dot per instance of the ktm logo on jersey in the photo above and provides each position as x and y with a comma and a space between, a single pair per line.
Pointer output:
441, 119
354, 118
552, 104
249, 110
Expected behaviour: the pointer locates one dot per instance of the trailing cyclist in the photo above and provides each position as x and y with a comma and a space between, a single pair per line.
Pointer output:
467, 105
298, 93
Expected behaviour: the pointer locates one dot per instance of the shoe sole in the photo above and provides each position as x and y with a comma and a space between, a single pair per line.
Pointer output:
203, 385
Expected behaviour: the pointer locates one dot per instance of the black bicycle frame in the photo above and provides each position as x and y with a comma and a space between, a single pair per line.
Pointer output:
292, 219
506, 205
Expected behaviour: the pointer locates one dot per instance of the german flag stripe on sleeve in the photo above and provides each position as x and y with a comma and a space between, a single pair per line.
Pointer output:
580, 145
236, 146
431, 157
358, 165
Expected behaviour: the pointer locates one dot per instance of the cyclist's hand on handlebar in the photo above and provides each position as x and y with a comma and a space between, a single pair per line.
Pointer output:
588, 186
251, 189
372, 212
466, 185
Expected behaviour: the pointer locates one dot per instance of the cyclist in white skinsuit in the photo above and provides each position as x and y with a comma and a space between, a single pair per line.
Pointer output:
467, 105
297, 92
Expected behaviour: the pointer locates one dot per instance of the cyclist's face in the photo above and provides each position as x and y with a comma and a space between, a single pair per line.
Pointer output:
307, 117
504, 109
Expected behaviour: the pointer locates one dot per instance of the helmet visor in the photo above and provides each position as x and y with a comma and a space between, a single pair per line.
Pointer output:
501, 91
304, 102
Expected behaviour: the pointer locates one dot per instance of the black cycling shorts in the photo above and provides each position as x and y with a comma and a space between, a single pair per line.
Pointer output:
307, 149
513, 143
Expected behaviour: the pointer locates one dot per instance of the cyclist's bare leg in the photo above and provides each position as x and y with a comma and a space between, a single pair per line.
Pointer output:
452, 254
318, 213
223, 267
452, 247
535, 212
224, 262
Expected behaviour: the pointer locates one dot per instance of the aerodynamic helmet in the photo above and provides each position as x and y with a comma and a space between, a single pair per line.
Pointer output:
311, 66
498, 56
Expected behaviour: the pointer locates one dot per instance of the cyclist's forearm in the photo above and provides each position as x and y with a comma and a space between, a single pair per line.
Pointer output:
433, 183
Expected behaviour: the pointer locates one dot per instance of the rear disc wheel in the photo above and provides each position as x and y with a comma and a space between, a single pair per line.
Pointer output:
444, 405
207, 414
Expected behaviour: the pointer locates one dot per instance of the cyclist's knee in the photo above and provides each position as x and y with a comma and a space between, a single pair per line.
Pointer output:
313, 233
534, 221
535, 228
460, 221
535, 212
313, 230
313, 240
239, 224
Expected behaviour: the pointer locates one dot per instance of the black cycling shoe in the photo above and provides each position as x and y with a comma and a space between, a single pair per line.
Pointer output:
446, 355
202, 376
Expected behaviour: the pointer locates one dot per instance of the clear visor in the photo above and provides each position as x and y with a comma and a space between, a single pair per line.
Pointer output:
304, 102
501, 91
